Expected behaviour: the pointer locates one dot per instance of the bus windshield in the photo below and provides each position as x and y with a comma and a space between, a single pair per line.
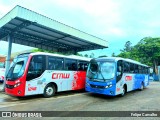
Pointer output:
17, 68
101, 70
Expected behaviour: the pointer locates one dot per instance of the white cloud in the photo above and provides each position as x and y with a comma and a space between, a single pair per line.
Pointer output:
103, 13
117, 31
3, 9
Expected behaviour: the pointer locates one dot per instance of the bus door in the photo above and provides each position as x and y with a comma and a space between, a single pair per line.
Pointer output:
35, 70
70, 67
81, 74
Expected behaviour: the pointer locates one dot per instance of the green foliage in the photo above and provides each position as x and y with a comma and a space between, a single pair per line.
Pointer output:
146, 51
113, 55
86, 55
79, 54
41, 50
127, 47
49, 51
91, 55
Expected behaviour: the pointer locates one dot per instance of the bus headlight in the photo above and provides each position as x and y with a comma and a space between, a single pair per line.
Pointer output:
108, 86
17, 84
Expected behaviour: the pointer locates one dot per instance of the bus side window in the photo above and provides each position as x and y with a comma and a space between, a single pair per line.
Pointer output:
82, 66
140, 69
119, 70
143, 70
51, 63
55, 63
59, 64
36, 67
131, 68
70, 64
85, 66
126, 67
136, 69
147, 70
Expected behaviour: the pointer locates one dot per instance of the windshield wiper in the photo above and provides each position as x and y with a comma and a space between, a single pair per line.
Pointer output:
101, 73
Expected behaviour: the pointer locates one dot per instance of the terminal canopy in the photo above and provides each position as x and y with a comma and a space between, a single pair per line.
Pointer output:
32, 29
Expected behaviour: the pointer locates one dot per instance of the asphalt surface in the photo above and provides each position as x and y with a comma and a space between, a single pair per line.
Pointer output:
146, 100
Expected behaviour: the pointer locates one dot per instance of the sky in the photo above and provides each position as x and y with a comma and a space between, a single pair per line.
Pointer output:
116, 21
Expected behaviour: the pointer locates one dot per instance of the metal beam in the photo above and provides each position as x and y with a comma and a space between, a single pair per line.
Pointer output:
29, 36
62, 37
51, 30
34, 43
55, 40
8, 59
73, 37
21, 26
4, 33
16, 29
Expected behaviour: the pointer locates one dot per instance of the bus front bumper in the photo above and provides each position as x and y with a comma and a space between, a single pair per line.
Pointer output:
105, 91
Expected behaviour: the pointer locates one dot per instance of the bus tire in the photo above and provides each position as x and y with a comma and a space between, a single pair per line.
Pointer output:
142, 86
123, 91
49, 91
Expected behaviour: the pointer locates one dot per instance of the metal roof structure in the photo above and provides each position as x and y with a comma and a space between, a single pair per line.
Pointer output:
32, 29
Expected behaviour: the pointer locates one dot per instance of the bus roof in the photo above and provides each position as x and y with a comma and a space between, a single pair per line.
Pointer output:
58, 55
119, 58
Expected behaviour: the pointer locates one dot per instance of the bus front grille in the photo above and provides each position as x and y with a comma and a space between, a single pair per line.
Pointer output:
97, 86
9, 86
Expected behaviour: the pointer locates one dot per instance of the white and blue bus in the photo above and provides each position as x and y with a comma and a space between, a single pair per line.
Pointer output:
116, 76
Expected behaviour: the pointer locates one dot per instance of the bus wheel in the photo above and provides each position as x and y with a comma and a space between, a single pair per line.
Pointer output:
142, 86
123, 91
49, 91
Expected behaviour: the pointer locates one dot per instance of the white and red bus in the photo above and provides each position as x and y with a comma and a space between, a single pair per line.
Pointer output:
45, 73
2, 72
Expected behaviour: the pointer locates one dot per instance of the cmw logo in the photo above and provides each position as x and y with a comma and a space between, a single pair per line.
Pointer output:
60, 75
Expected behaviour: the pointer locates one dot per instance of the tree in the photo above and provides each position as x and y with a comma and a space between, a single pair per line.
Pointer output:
91, 55
62, 53
85, 55
127, 47
78, 54
127, 51
103, 56
149, 49
146, 51
42, 50
113, 54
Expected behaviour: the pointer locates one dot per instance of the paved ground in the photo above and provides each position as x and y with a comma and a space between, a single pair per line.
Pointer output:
146, 100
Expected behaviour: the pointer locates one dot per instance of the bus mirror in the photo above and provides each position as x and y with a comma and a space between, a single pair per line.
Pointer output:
118, 73
119, 69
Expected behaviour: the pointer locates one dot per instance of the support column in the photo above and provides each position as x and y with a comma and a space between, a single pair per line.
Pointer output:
7, 63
